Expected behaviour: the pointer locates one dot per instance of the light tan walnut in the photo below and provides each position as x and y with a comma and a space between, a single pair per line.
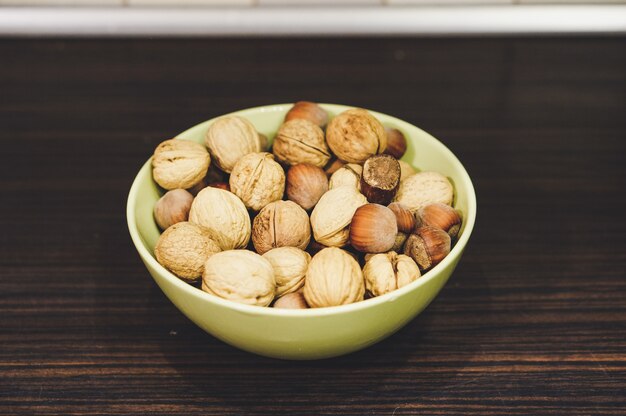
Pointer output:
355, 135
224, 215
290, 264
281, 224
241, 276
406, 170
348, 174
178, 163
257, 180
332, 215
183, 249
333, 278
229, 139
301, 141
387, 272
424, 188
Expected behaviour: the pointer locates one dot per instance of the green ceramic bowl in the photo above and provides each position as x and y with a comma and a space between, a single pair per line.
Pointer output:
310, 333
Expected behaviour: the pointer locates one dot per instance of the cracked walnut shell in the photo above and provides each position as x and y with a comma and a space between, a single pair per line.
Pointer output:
178, 163
290, 265
387, 272
333, 278
281, 224
257, 180
241, 276
333, 213
301, 141
229, 139
355, 135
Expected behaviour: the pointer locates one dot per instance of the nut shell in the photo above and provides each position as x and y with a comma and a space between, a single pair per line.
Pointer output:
355, 135
183, 249
333, 278
290, 264
308, 110
257, 180
291, 301
332, 215
241, 276
384, 273
441, 216
373, 229
306, 184
396, 143
178, 163
173, 207
405, 218
301, 141
224, 215
229, 139
380, 179
406, 170
427, 246
281, 224
424, 188
349, 174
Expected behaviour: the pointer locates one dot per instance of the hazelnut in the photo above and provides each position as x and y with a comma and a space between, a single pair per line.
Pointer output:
332, 166
291, 301
441, 216
290, 264
308, 111
398, 245
257, 180
380, 179
241, 276
332, 215
373, 229
384, 273
333, 278
405, 218
301, 141
306, 184
355, 135
427, 246
183, 249
281, 224
230, 138
424, 188
396, 143
314, 247
223, 215
178, 163
221, 185
406, 170
264, 143
172, 207
349, 174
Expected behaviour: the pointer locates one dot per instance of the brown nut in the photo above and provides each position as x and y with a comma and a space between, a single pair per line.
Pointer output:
306, 184
406, 170
355, 135
178, 163
230, 138
384, 273
349, 174
241, 276
424, 188
405, 218
332, 166
441, 216
373, 229
290, 264
398, 245
183, 249
380, 179
264, 143
333, 278
223, 215
427, 246
301, 141
172, 207
396, 143
281, 224
257, 180
332, 215
291, 301
221, 185
308, 111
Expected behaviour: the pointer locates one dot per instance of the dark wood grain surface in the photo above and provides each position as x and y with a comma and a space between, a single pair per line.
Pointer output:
532, 322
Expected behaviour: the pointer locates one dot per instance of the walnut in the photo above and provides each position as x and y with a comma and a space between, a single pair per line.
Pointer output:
257, 180
355, 135
183, 248
223, 215
178, 163
281, 224
241, 276
348, 174
424, 188
229, 139
332, 215
290, 264
387, 272
333, 278
301, 141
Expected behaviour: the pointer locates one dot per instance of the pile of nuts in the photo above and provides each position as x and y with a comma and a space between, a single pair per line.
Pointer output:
326, 216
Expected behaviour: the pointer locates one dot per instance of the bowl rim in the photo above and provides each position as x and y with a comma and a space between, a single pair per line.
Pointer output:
470, 218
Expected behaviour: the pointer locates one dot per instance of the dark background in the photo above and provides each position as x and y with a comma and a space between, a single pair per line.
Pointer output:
532, 322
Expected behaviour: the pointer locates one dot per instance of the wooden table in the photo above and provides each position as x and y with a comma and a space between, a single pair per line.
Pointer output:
532, 322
